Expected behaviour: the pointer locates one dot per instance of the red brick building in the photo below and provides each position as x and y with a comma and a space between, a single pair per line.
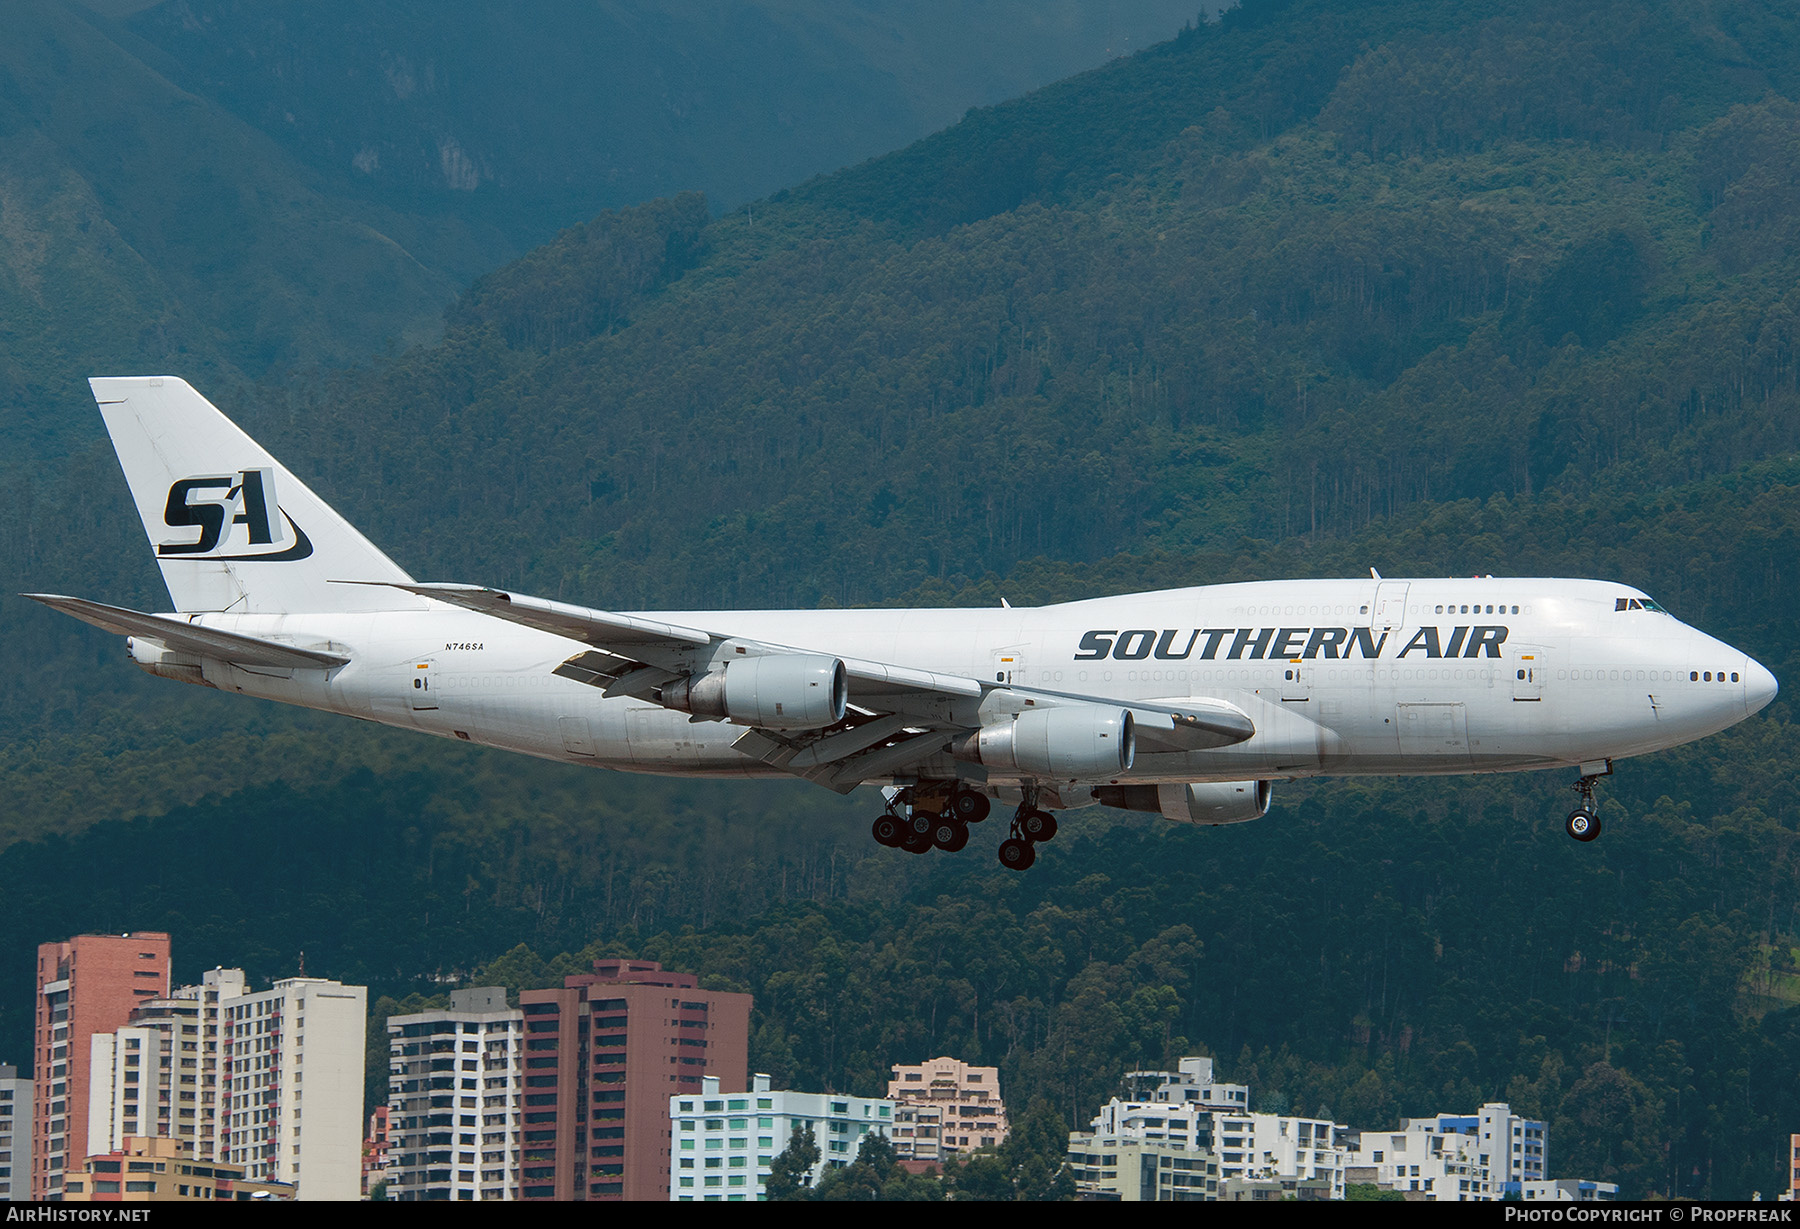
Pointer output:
602, 1057
87, 985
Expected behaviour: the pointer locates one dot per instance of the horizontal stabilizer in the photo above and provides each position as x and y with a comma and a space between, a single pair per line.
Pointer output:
186, 637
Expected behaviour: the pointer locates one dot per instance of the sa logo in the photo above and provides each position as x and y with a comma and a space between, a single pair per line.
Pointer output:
247, 498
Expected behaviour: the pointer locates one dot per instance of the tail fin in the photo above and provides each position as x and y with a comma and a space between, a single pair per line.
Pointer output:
232, 528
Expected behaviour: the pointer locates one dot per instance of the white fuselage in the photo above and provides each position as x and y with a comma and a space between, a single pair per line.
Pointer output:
1339, 676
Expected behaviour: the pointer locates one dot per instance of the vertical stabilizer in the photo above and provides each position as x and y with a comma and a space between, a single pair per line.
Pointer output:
232, 528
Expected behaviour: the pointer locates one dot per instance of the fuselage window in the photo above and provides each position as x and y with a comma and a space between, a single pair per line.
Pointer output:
1693, 676
1440, 610
1708, 676
1734, 677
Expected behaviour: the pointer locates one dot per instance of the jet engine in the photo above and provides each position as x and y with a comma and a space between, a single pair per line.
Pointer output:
155, 657
787, 691
1072, 743
1203, 802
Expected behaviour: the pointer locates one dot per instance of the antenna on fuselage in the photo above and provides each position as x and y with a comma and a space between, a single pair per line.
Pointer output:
1374, 573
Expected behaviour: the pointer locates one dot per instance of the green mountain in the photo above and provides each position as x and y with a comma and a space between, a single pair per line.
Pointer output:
1500, 287
243, 190
531, 116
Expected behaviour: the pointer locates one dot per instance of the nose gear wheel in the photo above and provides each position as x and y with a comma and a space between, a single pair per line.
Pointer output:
1583, 822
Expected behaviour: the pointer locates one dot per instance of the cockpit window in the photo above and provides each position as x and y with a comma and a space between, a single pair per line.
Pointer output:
1635, 603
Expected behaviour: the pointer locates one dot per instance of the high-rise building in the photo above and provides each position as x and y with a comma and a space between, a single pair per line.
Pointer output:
602, 1057
724, 1144
164, 1074
295, 1085
944, 1107
15, 1135
455, 1078
86, 985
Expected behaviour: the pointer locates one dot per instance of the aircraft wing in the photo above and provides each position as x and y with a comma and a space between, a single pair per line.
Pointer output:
179, 634
899, 715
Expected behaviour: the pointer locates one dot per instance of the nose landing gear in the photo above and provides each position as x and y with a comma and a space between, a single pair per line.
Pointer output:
1583, 822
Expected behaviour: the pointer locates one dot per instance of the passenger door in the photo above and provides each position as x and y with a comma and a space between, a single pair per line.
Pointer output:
1528, 673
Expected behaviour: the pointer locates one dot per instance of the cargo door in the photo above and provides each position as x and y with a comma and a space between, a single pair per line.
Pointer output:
1433, 732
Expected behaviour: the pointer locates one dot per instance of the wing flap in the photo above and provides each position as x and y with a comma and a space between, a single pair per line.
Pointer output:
178, 633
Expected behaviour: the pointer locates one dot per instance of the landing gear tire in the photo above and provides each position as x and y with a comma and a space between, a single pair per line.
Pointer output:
1017, 855
914, 843
949, 834
969, 806
1037, 826
919, 823
1582, 824
887, 831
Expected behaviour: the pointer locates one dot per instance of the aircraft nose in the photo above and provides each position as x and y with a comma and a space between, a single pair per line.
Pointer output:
1759, 685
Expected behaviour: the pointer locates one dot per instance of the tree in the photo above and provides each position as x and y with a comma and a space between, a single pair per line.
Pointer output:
876, 1174
790, 1174
1031, 1165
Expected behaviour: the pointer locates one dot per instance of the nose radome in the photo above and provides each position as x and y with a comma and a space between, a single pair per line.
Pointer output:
1759, 685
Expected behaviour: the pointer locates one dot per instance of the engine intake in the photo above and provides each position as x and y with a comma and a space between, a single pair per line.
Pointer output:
1072, 743
788, 691
1203, 802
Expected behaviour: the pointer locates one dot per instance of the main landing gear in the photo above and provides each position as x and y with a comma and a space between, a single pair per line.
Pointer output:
919, 820
931, 815
1584, 821
1030, 827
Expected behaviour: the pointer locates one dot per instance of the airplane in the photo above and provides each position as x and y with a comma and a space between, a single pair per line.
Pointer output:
1186, 703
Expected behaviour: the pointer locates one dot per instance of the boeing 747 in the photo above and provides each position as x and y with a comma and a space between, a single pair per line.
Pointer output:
1187, 703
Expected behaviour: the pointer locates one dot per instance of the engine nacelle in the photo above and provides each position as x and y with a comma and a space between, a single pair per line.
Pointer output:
1075, 742
1203, 802
789, 691
155, 657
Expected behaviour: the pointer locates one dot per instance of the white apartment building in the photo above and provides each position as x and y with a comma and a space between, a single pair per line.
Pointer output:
1515, 1145
295, 1091
1247, 1146
15, 1135
723, 1144
1192, 1081
944, 1107
1424, 1163
455, 1084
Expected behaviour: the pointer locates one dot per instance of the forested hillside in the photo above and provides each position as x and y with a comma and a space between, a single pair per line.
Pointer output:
242, 190
1498, 287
